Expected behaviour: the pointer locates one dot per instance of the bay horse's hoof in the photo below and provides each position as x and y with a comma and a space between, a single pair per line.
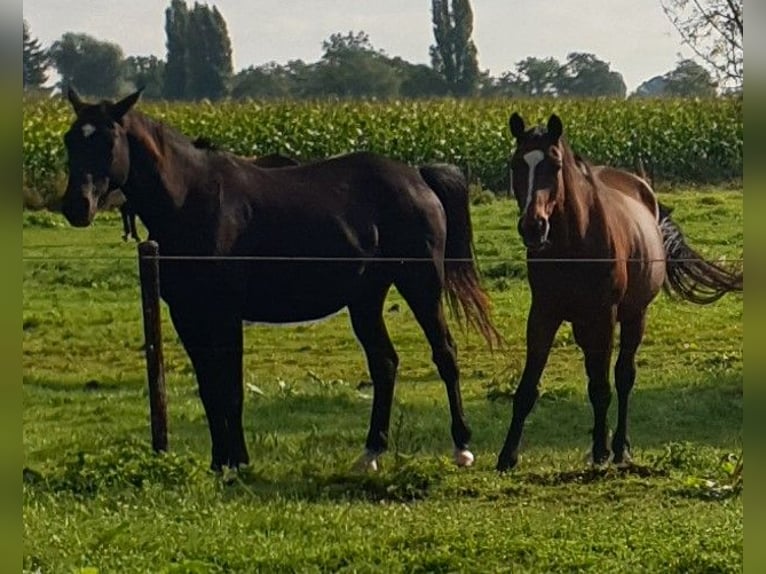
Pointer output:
600, 461
368, 462
624, 461
463, 457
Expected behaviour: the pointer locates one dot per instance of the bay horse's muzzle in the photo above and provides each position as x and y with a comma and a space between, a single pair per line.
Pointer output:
534, 232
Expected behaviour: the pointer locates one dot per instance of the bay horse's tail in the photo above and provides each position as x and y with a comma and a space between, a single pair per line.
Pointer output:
465, 296
688, 273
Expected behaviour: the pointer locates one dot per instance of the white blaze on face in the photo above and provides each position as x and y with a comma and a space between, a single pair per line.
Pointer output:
88, 130
532, 158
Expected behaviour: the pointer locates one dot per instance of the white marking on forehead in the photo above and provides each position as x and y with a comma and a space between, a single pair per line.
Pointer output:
88, 130
532, 158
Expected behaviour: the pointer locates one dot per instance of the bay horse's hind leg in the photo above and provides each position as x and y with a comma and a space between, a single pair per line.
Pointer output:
421, 287
595, 338
631, 334
367, 321
213, 342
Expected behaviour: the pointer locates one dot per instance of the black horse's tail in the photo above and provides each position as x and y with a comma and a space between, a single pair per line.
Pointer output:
688, 273
465, 295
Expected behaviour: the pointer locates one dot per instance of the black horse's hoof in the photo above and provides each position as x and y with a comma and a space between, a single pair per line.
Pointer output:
506, 464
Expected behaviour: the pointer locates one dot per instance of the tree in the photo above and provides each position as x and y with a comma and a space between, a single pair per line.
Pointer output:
199, 52
34, 61
419, 80
263, 82
653, 87
145, 72
93, 66
533, 77
714, 30
454, 55
351, 67
687, 80
175, 80
584, 75
208, 47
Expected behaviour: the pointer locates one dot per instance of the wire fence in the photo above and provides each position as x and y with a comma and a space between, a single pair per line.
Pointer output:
370, 259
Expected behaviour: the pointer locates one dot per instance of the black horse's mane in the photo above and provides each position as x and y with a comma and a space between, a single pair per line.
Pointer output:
206, 143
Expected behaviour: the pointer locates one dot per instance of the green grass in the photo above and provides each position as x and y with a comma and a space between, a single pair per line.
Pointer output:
96, 497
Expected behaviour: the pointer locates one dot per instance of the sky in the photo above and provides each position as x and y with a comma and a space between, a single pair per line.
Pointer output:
634, 36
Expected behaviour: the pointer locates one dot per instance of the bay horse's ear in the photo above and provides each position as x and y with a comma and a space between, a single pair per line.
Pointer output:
75, 100
118, 110
517, 125
555, 128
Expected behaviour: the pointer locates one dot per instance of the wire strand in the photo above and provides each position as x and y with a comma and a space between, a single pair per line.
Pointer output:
398, 260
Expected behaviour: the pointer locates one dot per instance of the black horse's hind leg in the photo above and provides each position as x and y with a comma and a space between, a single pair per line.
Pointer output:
128, 222
367, 321
421, 287
541, 329
631, 333
214, 345
126, 214
132, 225
595, 339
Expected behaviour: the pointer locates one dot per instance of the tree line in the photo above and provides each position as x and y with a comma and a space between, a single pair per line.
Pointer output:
198, 65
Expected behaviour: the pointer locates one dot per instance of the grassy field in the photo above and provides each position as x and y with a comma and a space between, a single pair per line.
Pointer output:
95, 499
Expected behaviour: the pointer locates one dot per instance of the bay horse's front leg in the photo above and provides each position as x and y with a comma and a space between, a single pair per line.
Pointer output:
595, 338
631, 333
213, 342
541, 329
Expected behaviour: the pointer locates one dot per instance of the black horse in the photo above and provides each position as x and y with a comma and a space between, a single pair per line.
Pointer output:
242, 243
129, 230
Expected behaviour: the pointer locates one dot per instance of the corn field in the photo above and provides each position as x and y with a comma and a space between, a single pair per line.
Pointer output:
679, 141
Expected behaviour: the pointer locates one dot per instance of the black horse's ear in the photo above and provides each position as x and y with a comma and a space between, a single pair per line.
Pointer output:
517, 125
555, 128
118, 110
75, 100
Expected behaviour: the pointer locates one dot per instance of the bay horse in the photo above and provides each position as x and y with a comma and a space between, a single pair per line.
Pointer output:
239, 242
599, 249
129, 230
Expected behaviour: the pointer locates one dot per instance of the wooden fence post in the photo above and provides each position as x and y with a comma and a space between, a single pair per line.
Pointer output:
149, 273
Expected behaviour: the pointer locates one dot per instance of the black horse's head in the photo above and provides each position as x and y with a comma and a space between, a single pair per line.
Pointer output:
98, 155
536, 177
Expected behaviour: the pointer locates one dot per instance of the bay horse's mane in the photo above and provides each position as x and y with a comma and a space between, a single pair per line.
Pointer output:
581, 188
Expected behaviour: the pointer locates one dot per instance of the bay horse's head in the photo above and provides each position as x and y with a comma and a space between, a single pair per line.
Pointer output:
97, 155
536, 177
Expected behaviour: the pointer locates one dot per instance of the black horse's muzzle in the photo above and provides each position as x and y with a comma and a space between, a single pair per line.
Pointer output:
80, 201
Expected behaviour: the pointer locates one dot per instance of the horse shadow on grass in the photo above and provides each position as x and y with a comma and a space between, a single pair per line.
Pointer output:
671, 426
303, 446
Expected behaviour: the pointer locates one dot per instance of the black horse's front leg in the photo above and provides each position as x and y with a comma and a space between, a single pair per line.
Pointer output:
213, 342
